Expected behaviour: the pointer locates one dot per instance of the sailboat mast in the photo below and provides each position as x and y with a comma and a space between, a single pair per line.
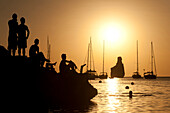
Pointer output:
48, 48
49, 51
151, 57
137, 57
92, 58
103, 55
154, 62
88, 57
90, 53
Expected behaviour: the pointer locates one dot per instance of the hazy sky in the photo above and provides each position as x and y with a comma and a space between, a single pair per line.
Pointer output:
71, 23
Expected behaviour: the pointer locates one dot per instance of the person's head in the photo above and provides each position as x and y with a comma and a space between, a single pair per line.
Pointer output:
63, 56
36, 41
14, 16
130, 94
22, 20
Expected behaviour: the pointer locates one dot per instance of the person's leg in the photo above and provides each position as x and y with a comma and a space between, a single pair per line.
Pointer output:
10, 52
14, 52
42, 57
19, 51
23, 51
42, 63
81, 69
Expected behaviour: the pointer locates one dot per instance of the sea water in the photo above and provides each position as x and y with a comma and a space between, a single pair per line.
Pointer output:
149, 96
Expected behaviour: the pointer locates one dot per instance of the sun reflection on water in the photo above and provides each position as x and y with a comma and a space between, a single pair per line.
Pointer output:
113, 85
113, 90
113, 97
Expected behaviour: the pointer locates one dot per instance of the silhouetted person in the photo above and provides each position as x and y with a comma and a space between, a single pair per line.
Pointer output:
36, 56
130, 94
12, 38
64, 68
23, 34
67, 67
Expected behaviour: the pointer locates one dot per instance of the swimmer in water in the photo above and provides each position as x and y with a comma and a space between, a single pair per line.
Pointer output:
130, 94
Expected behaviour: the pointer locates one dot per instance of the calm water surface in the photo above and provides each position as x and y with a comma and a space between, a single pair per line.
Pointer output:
149, 96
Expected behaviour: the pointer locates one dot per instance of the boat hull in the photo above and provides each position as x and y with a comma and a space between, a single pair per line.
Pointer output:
103, 76
136, 76
150, 76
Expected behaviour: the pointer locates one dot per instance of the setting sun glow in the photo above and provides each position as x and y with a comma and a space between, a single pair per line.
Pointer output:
113, 33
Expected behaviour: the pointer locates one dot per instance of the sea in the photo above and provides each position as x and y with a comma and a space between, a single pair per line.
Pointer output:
148, 96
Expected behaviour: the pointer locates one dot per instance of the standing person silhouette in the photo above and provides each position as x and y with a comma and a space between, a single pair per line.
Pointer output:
12, 37
23, 34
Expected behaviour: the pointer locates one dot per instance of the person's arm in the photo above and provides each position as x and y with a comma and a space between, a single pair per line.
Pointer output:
28, 32
73, 64
37, 49
67, 61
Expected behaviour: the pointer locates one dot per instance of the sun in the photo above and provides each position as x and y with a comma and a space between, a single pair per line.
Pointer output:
112, 33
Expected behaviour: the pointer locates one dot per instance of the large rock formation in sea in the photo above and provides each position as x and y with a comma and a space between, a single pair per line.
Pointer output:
118, 69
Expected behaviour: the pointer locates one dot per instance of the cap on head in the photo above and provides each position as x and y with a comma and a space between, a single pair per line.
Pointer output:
14, 15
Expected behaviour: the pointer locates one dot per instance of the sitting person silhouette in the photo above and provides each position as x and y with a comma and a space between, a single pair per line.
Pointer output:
66, 66
23, 34
36, 56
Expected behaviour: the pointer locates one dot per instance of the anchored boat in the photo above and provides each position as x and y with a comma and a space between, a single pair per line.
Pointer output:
136, 74
151, 74
91, 72
103, 75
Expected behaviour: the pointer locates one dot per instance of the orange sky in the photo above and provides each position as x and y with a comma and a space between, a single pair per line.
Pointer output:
71, 23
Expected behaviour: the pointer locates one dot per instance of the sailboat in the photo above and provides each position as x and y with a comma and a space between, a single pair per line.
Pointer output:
103, 75
91, 73
136, 74
151, 74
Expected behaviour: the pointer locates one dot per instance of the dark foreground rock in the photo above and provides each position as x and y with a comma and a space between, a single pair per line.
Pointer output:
28, 88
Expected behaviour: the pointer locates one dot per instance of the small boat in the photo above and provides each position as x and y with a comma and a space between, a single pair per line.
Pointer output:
103, 75
136, 74
91, 73
151, 74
